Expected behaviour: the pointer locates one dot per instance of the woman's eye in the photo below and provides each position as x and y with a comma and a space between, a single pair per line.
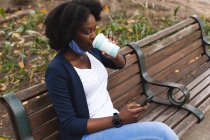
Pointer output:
86, 32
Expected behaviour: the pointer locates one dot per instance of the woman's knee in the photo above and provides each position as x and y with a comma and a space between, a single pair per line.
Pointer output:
166, 131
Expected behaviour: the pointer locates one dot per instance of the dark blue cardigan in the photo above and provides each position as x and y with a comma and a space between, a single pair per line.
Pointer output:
67, 94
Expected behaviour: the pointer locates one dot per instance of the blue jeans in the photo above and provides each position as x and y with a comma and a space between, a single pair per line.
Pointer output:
135, 131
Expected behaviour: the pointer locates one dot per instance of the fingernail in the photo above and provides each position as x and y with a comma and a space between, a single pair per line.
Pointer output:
138, 104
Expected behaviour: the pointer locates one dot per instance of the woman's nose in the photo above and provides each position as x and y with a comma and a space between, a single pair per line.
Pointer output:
93, 35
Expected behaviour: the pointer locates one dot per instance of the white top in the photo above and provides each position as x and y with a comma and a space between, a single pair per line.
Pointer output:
94, 82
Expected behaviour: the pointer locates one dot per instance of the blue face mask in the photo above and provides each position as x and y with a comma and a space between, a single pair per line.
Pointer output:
73, 45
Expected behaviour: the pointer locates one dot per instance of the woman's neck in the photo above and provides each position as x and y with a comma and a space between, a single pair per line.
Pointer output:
71, 55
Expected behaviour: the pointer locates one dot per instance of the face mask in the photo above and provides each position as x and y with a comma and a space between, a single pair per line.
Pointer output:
73, 45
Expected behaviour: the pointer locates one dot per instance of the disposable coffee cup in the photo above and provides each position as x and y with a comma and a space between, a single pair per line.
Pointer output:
102, 43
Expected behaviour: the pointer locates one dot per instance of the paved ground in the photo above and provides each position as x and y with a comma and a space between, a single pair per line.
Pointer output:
199, 131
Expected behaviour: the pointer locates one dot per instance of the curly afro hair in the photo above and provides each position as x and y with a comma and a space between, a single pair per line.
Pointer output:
63, 21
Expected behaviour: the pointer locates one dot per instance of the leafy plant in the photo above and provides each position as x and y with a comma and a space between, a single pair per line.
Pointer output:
127, 30
2, 13
25, 53
176, 10
207, 28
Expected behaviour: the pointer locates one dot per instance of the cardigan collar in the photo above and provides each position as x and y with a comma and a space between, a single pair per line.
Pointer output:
77, 91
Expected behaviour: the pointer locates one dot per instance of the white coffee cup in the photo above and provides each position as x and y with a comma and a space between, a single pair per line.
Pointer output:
102, 43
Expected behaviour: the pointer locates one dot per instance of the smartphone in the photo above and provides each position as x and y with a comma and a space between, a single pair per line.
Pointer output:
147, 100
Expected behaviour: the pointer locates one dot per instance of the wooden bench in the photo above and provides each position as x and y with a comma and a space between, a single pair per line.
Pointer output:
178, 54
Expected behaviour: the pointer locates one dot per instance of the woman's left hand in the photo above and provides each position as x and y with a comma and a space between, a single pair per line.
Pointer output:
118, 59
113, 40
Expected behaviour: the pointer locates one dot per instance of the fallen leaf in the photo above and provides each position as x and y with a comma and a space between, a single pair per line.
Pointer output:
1, 138
176, 71
106, 8
130, 30
3, 87
26, 102
191, 61
15, 35
43, 11
21, 64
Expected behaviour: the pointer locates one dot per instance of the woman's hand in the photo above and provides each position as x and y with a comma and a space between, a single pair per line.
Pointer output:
130, 112
119, 60
113, 40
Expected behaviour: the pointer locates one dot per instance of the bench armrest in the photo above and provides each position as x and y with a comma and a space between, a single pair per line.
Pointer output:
172, 100
18, 117
148, 80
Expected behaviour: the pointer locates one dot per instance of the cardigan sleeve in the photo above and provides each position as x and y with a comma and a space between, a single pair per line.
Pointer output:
107, 62
58, 87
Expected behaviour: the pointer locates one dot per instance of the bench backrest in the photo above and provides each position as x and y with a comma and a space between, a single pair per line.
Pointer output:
174, 54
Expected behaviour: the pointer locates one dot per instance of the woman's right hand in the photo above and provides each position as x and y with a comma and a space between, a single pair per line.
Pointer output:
130, 112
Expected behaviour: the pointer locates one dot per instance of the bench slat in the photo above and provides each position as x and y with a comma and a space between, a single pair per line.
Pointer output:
165, 32
130, 59
124, 75
41, 117
180, 76
32, 92
174, 58
169, 50
54, 136
125, 50
183, 72
191, 120
46, 129
124, 87
129, 96
173, 69
171, 40
37, 103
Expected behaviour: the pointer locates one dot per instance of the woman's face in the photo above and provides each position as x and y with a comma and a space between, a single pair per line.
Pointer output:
86, 33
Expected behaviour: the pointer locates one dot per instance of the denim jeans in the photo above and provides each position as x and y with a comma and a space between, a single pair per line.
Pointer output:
135, 131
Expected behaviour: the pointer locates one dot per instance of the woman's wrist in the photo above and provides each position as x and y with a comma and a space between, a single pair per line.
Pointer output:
119, 60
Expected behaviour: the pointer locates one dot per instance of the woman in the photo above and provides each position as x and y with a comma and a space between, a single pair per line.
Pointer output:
77, 81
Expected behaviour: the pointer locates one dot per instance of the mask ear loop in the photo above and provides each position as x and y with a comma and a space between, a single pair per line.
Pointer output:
73, 45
